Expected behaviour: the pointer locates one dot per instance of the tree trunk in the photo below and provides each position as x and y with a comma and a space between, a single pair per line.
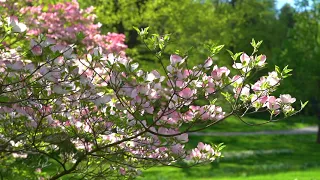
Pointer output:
318, 137
318, 116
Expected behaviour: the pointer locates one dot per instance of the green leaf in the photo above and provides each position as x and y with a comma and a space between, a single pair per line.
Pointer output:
80, 36
237, 55
4, 99
253, 43
212, 102
144, 31
231, 54
213, 49
277, 69
220, 146
161, 46
286, 70
167, 37
137, 29
217, 49
258, 44
303, 104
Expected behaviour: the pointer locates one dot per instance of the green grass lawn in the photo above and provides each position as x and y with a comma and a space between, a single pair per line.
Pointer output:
283, 157
309, 174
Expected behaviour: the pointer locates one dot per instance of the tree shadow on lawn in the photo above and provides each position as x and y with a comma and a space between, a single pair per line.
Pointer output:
250, 155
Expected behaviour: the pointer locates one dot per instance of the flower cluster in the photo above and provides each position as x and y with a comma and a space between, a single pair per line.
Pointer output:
203, 152
257, 95
63, 21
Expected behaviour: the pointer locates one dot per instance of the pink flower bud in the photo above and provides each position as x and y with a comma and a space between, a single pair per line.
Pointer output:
262, 60
244, 58
36, 50
186, 93
174, 59
208, 63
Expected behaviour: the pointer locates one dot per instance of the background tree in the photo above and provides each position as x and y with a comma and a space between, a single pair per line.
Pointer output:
302, 50
218, 22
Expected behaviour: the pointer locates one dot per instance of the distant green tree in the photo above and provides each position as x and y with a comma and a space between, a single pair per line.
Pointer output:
211, 21
301, 49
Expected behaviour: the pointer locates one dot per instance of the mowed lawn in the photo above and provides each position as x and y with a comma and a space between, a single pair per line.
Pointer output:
265, 157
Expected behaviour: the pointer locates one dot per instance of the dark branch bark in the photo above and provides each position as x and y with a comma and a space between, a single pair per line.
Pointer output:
73, 168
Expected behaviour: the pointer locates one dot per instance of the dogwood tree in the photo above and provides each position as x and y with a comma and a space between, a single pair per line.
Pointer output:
76, 110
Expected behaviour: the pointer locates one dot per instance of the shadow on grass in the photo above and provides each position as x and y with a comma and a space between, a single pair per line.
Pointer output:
249, 155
